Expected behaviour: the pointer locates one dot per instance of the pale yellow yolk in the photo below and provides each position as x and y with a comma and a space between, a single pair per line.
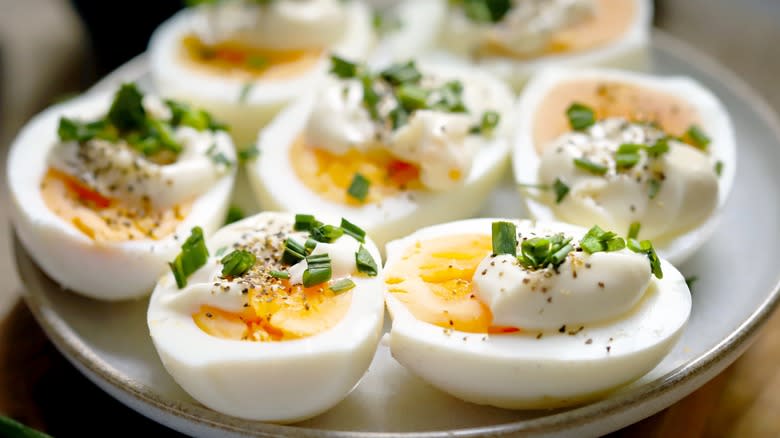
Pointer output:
104, 219
611, 99
276, 313
244, 62
611, 20
330, 175
433, 280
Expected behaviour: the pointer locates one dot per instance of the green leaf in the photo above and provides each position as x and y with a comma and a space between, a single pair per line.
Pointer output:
590, 166
633, 230
318, 270
358, 188
127, 112
284, 275
402, 73
353, 230
341, 286
326, 233
193, 255
412, 97
580, 116
237, 263
697, 137
504, 238
293, 251
234, 214
561, 190
365, 262
342, 68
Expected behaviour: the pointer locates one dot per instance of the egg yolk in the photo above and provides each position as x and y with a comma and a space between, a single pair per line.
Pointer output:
433, 280
277, 314
611, 20
105, 219
611, 99
239, 60
330, 175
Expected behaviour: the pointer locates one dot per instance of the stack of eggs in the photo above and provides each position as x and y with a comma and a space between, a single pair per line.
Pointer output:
364, 133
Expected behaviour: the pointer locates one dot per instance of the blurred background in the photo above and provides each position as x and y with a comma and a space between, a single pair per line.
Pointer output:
52, 49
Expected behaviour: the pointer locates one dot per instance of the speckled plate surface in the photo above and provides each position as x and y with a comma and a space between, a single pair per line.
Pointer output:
738, 287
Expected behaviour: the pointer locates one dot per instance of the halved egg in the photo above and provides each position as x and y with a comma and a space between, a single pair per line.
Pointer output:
513, 39
406, 29
624, 149
245, 60
530, 315
275, 319
103, 186
394, 149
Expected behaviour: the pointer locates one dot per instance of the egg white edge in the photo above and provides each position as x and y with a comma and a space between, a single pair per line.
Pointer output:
190, 355
175, 77
715, 121
394, 216
65, 253
632, 336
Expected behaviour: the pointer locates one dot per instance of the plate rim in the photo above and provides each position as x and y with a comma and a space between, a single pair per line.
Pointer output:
702, 367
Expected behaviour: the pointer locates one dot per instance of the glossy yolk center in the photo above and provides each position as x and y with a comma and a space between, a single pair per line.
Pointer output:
277, 314
105, 219
246, 62
433, 279
330, 175
611, 20
611, 99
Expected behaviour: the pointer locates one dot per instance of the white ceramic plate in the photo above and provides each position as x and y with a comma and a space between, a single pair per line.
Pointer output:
737, 289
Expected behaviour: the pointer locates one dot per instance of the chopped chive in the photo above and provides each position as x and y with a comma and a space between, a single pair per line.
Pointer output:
590, 166
490, 120
718, 167
341, 286
580, 116
326, 233
450, 98
398, 117
598, 240
541, 252
402, 73
365, 262
633, 230
504, 238
221, 251
358, 188
234, 214
698, 137
284, 275
370, 96
653, 187
627, 155
411, 97
342, 68
318, 270
293, 251
660, 147
243, 95
310, 245
193, 255
305, 222
353, 230
646, 247
256, 61
561, 190
237, 263
689, 281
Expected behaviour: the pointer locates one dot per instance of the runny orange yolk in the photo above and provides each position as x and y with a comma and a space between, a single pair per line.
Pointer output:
105, 219
234, 58
330, 175
289, 312
433, 280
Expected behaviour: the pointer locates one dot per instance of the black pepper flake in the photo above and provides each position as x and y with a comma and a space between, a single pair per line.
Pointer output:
608, 348
484, 272
209, 315
549, 299
574, 274
562, 329
526, 280
589, 341
601, 284
544, 289
452, 322
539, 335
587, 265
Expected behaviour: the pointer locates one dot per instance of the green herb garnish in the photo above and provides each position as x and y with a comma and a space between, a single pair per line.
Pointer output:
237, 263
590, 166
401, 73
234, 214
561, 190
318, 270
284, 275
365, 262
248, 154
243, 94
653, 187
633, 230
326, 233
504, 238
193, 255
485, 11
343, 68
580, 116
697, 137
305, 222
646, 247
540, 252
627, 155
341, 286
689, 281
256, 61
660, 147
293, 251
598, 240
358, 188
718, 167
353, 230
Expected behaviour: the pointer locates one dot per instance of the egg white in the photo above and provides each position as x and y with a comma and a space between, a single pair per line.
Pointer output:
107, 271
277, 186
715, 121
630, 51
419, 21
282, 381
519, 371
222, 96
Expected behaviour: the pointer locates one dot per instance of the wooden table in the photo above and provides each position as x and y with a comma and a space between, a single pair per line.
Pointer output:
40, 388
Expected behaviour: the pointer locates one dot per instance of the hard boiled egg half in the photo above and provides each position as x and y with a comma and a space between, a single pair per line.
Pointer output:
515, 38
529, 315
393, 149
626, 150
276, 318
104, 188
243, 60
